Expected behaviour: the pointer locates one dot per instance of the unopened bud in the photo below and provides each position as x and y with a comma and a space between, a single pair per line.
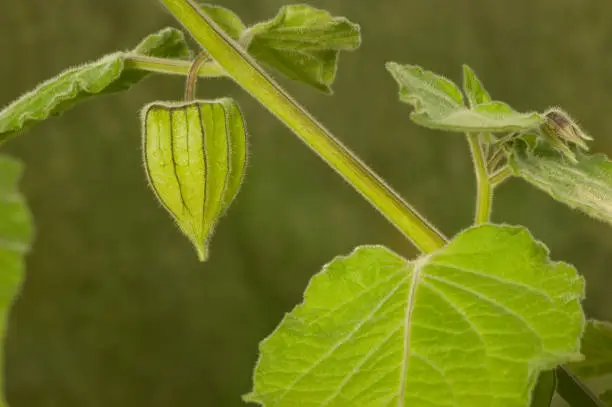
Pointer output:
560, 129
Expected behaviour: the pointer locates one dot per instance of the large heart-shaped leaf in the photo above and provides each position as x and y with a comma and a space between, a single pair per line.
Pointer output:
107, 75
16, 232
472, 324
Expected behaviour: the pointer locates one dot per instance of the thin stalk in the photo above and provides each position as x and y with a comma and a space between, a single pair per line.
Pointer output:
573, 391
192, 75
484, 191
170, 66
500, 175
497, 156
250, 76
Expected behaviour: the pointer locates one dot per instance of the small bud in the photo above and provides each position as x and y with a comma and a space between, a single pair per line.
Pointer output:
560, 129
195, 158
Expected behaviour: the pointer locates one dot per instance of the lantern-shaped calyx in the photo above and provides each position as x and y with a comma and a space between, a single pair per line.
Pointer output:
195, 157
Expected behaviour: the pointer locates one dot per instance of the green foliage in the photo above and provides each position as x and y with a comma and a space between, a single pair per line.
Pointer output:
544, 390
597, 350
482, 320
107, 75
226, 19
16, 232
470, 325
586, 185
473, 88
438, 103
301, 42
195, 157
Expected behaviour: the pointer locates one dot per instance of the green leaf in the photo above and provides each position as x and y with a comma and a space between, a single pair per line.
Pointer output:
438, 104
472, 324
226, 19
16, 232
544, 390
303, 43
107, 75
473, 88
597, 351
586, 185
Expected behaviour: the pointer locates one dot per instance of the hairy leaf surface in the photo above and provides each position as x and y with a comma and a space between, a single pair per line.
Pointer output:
438, 103
107, 75
226, 19
473, 88
585, 185
16, 232
303, 43
472, 324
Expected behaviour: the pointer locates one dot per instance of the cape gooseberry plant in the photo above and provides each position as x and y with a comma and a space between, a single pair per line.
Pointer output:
484, 318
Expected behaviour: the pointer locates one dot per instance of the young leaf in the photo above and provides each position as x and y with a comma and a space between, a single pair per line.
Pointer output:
303, 43
107, 75
472, 324
586, 185
195, 158
438, 104
16, 232
226, 19
473, 88
597, 351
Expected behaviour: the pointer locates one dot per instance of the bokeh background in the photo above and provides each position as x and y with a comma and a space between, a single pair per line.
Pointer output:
117, 311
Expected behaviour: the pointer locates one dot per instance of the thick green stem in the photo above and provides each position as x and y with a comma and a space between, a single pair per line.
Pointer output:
250, 76
170, 66
484, 190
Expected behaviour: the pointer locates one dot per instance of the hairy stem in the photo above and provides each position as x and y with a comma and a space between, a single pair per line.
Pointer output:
251, 77
484, 191
192, 75
500, 175
170, 66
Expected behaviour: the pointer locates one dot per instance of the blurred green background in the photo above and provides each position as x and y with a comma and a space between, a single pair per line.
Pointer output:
117, 311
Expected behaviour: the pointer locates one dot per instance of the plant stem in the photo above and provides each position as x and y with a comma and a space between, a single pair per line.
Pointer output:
500, 175
573, 391
484, 192
192, 75
170, 66
251, 77
497, 156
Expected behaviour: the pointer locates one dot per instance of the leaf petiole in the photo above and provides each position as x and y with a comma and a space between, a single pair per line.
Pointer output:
170, 66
